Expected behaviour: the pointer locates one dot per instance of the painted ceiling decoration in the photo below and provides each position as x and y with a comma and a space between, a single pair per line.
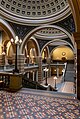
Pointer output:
34, 12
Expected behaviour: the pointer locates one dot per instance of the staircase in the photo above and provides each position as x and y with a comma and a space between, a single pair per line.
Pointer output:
69, 74
28, 83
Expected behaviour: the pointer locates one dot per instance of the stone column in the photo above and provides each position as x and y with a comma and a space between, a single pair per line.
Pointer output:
39, 69
20, 62
36, 75
33, 75
49, 61
76, 37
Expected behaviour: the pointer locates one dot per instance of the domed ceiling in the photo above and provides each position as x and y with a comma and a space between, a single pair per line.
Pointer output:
34, 12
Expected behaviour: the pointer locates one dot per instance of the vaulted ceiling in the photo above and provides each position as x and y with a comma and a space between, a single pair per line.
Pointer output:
34, 12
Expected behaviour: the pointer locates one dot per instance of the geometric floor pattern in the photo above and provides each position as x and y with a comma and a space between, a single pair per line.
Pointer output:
27, 104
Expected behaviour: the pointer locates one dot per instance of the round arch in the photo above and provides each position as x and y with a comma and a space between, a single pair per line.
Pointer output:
58, 40
8, 31
42, 27
34, 39
47, 49
58, 47
6, 27
63, 55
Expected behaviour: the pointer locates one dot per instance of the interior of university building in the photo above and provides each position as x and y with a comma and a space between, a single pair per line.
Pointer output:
40, 55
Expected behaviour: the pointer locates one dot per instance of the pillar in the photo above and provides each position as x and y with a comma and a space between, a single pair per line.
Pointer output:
76, 37
57, 70
49, 61
39, 69
20, 62
36, 75
33, 75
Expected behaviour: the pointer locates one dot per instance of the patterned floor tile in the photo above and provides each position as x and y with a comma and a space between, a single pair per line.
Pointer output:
28, 105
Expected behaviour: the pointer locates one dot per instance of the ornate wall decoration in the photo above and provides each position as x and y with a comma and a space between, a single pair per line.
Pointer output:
42, 43
67, 24
21, 30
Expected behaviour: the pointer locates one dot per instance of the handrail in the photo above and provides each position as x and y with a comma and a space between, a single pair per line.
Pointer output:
29, 66
64, 72
32, 84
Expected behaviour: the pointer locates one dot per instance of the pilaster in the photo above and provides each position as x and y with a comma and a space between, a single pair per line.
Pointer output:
76, 37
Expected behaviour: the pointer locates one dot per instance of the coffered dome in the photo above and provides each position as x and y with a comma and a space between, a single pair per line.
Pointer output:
50, 33
34, 12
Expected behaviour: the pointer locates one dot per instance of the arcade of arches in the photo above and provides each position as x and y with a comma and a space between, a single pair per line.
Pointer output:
47, 38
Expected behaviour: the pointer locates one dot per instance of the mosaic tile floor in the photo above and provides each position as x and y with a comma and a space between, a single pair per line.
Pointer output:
32, 104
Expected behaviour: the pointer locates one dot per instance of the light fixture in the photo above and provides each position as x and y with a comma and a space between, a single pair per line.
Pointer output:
55, 78
16, 41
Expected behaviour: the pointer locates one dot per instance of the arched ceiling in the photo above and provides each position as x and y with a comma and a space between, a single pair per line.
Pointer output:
34, 12
50, 33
